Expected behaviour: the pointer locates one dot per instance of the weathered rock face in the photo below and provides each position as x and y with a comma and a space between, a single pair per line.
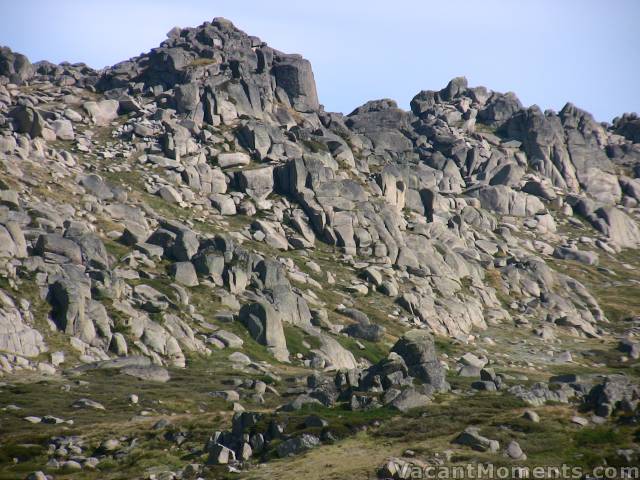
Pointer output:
293, 74
619, 227
257, 183
544, 142
16, 336
206, 172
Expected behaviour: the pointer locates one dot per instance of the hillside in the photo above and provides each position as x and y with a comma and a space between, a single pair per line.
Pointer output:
205, 274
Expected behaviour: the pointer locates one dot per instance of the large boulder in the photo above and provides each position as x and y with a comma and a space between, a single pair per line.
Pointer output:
409, 399
228, 160
265, 326
184, 273
63, 129
52, 243
500, 108
255, 138
620, 227
93, 251
187, 97
417, 349
224, 204
471, 438
502, 199
382, 122
220, 455
370, 332
95, 185
569, 253
15, 66
335, 356
102, 112
377, 115
208, 263
28, 120
257, 182
629, 126
296, 445
70, 299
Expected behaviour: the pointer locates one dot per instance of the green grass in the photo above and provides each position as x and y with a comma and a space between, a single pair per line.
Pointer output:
197, 413
484, 128
373, 352
198, 62
598, 436
315, 146
553, 441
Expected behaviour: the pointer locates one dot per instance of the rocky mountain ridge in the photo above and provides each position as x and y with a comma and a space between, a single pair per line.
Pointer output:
197, 202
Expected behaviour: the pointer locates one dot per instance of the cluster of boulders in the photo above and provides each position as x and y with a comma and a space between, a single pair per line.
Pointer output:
254, 435
408, 378
69, 453
219, 122
602, 396
614, 394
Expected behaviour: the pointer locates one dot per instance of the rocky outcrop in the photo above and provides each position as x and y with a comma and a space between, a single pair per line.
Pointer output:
446, 210
629, 126
293, 74
220, 73
15, 66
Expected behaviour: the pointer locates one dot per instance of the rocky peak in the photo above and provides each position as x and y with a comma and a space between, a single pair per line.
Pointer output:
236, 73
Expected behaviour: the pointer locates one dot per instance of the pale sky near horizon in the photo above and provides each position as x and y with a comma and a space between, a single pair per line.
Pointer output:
546, 51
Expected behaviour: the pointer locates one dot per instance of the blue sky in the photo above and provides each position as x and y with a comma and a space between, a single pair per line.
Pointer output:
547, 51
